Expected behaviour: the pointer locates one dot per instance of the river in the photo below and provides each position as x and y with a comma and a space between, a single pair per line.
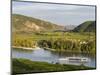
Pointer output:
40, 54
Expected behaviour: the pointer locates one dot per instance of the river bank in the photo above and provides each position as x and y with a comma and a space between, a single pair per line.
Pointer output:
21, 66
63, 50
68, 51
26, 48
50, 49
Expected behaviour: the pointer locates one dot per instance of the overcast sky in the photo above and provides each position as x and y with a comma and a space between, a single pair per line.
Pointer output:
55, 13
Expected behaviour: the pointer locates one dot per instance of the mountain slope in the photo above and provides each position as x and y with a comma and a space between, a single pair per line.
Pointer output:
21, 23
88, 26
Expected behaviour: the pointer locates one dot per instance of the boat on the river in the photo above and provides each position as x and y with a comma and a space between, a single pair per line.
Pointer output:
74, 59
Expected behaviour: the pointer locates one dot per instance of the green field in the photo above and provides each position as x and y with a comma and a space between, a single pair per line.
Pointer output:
20, 66
56, 35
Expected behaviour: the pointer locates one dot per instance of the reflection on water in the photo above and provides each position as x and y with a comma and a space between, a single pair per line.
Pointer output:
64, 54
49, 56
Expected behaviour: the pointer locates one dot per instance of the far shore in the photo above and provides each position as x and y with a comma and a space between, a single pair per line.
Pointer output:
36, 48
27, 48
64, 50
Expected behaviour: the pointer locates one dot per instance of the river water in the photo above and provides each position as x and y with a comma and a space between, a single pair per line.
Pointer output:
40, 54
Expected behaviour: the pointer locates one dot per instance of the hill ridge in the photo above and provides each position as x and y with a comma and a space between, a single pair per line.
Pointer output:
25, 23
87, 26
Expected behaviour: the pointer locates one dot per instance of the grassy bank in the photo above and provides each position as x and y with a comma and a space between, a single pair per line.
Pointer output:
27, 66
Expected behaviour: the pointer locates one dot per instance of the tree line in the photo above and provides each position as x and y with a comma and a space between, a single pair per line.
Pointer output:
70, 45
24, 43
86, 46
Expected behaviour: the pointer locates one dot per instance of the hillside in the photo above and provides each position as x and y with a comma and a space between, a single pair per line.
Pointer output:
88, 26
21, 23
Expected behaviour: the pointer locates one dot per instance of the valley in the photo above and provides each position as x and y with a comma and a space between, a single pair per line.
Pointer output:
37, 43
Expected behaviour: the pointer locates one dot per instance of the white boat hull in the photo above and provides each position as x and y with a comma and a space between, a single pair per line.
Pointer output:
73, 59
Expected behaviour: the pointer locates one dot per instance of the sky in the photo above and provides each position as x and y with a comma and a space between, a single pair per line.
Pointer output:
56, 13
